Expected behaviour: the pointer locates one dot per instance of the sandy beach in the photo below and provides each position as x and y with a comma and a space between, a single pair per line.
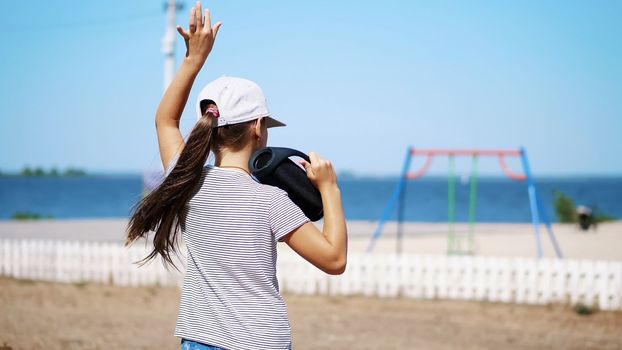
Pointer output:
42, 315
51, 316
492, 239
604, 243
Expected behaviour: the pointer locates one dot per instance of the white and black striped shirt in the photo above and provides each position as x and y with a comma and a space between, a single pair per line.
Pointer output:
230, 295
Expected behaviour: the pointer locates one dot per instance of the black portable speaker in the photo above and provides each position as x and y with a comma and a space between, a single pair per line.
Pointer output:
272, 166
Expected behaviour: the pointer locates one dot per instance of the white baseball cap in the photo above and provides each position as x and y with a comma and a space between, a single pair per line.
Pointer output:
238, 100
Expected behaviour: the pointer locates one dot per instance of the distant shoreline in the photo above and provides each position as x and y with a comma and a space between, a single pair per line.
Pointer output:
341, 177
39, 172
43, 176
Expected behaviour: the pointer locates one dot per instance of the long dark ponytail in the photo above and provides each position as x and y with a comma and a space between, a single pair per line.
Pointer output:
163, 208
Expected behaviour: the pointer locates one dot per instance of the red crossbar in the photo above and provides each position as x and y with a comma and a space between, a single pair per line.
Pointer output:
432, 152
465, 152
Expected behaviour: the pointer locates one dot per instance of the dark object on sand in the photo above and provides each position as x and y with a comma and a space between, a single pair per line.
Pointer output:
272, 166
586, 217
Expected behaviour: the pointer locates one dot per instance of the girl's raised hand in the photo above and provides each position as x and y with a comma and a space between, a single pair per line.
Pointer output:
200, 35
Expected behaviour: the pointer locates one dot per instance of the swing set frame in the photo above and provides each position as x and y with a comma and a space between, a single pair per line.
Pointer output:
398, 197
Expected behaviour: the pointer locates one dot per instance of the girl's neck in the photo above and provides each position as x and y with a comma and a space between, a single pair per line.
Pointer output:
237, 159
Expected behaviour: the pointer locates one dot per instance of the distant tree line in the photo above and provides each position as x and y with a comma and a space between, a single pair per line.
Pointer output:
38, 171
25, 215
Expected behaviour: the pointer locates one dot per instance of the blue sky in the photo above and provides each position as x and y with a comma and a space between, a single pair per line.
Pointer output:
356, 81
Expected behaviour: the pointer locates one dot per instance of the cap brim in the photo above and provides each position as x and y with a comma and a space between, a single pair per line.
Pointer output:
272, 123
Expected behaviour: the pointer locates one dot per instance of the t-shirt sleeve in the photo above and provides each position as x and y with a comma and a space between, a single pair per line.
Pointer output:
171, 165
285, 216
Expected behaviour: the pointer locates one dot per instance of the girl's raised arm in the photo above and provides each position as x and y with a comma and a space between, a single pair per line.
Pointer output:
199, 39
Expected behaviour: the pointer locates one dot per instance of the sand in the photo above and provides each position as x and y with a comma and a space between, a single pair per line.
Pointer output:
605, 243
41, 315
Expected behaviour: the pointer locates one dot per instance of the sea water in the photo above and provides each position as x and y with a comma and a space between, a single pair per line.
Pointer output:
497, 200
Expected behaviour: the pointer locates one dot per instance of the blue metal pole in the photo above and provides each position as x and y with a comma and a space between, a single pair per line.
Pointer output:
533, 204
395, 197
401, 204
549, 229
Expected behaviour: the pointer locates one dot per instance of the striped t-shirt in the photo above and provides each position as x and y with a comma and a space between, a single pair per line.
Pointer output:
230, 295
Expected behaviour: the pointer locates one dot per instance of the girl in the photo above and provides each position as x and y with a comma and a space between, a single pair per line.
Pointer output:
230, 224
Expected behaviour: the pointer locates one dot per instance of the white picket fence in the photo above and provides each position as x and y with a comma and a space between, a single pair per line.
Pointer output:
496, 279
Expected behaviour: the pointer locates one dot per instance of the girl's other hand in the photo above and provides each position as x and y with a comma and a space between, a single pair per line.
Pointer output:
200, 35
320, 172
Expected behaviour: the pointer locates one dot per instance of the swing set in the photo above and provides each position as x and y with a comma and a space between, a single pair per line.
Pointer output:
454, 244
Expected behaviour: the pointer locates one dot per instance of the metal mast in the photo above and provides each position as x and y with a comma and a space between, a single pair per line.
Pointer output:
168, 41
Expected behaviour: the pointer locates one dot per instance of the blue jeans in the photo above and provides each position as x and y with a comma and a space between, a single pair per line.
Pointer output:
187, 344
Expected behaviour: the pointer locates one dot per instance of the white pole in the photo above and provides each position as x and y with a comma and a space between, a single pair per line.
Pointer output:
168, 43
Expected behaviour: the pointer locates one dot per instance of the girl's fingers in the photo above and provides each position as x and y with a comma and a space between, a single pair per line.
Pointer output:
181, 31
208, 22
314, 158
199, 15
308, 168
193, 24
215, 29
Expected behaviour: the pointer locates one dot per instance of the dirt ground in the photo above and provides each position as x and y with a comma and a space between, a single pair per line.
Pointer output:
40, 315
